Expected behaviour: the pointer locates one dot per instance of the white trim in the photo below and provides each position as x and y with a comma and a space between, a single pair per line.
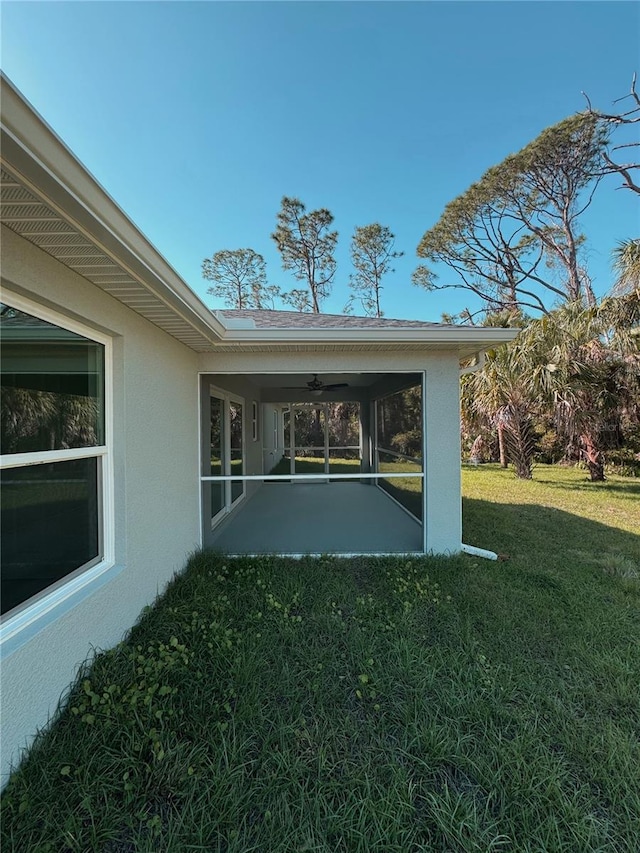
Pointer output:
378, 475
29, 306
443, 336
40, 457
29, 615
480, 360
325, 418
48, 600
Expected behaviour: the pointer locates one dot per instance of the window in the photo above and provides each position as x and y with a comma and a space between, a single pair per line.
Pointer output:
54, 454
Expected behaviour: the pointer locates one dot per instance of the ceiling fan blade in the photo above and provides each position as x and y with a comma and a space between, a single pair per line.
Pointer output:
336, 385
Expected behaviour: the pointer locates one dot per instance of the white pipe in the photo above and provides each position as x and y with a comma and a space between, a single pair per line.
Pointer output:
479, 552
385, 475
477, 366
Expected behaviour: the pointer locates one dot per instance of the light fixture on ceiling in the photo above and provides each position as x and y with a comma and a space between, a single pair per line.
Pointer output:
316, 387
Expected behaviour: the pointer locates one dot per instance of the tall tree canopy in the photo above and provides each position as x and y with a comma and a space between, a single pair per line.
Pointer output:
372, 252
239, 278
307, 247
513, 237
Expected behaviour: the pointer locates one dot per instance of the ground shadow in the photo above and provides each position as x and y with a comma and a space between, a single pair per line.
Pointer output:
533, 532
622, 489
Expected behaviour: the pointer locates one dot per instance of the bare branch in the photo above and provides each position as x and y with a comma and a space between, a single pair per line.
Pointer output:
623, 170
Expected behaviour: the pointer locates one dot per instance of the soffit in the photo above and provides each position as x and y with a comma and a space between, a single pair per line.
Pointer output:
29, 215
462, 350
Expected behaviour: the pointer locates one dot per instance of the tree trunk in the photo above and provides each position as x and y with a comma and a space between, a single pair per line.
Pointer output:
519, 439
593, 457
501, 447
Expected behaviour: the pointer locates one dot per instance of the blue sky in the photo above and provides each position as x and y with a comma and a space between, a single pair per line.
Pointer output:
198, 117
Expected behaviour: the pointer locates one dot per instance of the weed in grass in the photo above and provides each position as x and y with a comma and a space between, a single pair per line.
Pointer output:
621, 566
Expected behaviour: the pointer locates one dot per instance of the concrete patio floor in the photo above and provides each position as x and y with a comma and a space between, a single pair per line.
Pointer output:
318, 518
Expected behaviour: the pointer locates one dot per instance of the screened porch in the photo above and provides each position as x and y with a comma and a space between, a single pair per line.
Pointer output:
307, 464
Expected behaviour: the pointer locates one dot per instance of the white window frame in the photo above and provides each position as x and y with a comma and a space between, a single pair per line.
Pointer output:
37, 611
228, 397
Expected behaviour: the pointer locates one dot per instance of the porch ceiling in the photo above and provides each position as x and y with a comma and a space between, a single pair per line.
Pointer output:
283, 380
359, 387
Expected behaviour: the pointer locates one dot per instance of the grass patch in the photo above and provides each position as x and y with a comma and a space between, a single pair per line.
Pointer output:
445, 704
311, 465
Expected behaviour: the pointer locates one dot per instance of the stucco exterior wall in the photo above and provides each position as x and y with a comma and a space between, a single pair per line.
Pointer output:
442, 456
155, 487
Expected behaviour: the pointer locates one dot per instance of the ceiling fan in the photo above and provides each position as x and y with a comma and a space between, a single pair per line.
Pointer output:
317, 387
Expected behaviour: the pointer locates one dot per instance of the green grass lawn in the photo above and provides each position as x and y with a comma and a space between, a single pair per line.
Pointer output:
392, 705
311, 465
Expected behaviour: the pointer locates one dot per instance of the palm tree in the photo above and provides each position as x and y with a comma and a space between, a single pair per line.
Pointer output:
626, 264
501, 396
585, 363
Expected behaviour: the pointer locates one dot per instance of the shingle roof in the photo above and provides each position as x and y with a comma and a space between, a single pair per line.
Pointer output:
267, 319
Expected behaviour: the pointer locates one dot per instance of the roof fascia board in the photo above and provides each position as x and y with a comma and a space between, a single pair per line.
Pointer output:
48, 168
448, 337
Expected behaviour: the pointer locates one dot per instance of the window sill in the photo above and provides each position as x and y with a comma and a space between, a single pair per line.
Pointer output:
17, 630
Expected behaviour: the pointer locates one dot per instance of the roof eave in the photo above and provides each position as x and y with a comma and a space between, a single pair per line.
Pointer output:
33, 150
